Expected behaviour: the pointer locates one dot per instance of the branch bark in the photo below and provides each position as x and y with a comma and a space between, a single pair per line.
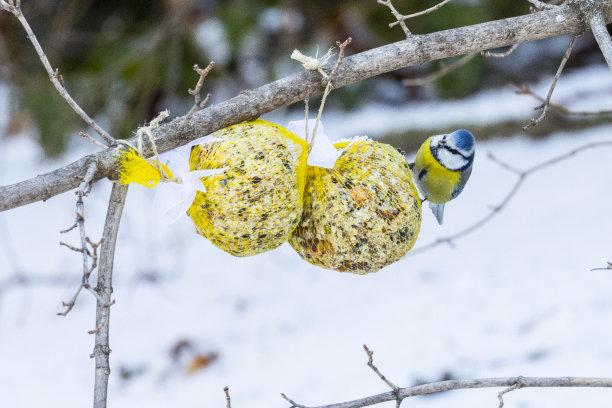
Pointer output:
432, 388
105, 290
598, 26
417, 49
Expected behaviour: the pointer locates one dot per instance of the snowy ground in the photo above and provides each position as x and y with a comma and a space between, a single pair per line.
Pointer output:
516, 297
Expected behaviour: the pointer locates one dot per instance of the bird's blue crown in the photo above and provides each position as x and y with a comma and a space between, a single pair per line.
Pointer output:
464, 140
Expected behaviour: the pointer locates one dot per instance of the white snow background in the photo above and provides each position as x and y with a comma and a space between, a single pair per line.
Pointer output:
516, 297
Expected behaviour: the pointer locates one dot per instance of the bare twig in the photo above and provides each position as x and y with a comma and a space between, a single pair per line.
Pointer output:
445, 69
370, 354
105, 290
398, 16
15, 9
199, 103
86, 274
489, 54
341, 47
82, 191
526, 90
394, 387
442, 386
421, 13
516, 386
544, 107
401, 18
293, 403
97, 329
91, 139
607, 268
227, 397
522, 175
598, 26
540, 5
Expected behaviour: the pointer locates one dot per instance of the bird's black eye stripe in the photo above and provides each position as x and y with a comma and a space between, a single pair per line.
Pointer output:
455, 151
422, 174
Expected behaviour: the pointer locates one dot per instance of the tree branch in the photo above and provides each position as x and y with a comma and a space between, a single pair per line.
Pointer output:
526, 90
104, 290
417, 49
598, 26
441, 386
82, 191
199, 103
227, 397
544, 107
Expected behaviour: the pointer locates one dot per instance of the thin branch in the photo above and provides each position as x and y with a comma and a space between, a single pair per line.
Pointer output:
227, 397
91, 139
598, 26
489, 54
540, 5
370, 354
398, 16
500, 395
394, 387
292, 402
341, 47
421, 13
446, 68
401, 18
544, 107
442, 386
199, 103
522, 175
526, 90
295, 88
15, 9
105, 290
83, 190
607, 268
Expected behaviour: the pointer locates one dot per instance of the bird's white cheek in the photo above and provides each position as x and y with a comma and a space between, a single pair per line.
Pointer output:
451, 161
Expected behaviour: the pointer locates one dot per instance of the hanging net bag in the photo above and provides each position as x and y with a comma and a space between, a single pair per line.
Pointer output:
360, 215
256, 202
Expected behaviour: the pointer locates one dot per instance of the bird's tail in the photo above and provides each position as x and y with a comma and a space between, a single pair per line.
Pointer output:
438, 211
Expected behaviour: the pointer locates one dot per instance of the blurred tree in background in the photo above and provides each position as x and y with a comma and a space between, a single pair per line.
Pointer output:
125, 61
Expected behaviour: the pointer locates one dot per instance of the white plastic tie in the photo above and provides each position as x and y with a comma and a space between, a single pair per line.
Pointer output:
172, 200
322, 151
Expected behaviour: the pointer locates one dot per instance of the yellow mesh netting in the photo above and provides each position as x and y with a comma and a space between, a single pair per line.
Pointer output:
363, 214
254, 205
135, 169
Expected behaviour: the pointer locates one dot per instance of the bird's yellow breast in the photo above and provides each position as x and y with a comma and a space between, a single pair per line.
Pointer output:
436, 182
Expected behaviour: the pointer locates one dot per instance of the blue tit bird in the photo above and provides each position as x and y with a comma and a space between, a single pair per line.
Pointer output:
442, 166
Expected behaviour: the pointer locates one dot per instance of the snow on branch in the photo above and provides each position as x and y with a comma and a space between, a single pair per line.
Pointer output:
417, 49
